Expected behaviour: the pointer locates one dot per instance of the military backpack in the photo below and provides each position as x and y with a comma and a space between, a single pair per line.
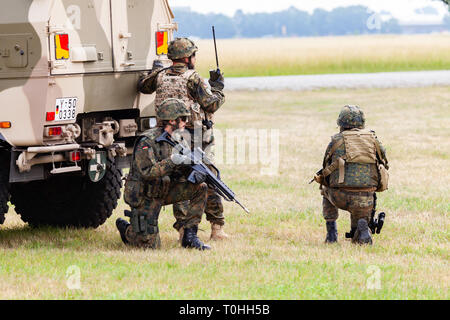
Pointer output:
359, 157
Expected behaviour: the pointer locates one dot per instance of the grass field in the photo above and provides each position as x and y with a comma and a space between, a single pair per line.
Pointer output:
277, 252
323, 55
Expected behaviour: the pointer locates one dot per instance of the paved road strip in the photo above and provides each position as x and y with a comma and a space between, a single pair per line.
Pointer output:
342, 81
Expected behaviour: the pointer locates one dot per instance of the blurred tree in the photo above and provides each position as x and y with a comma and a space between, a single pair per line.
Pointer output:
320, 23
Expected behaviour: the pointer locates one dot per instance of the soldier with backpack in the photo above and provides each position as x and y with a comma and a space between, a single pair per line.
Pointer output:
354, 168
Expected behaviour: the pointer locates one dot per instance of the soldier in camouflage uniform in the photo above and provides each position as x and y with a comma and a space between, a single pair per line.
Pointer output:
350, 176
158, 177
181, 81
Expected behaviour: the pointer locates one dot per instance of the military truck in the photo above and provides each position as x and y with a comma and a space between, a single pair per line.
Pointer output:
69, 107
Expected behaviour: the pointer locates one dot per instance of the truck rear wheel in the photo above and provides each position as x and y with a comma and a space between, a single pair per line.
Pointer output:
4, 184
68, 201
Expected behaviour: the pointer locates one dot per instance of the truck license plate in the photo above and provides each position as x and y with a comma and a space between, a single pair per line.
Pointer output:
66, 109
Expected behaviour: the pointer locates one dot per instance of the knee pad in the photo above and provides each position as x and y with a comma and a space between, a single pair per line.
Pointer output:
148, 241
362, 234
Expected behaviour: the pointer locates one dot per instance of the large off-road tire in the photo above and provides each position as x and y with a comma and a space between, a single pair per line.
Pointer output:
68, 200
4, 184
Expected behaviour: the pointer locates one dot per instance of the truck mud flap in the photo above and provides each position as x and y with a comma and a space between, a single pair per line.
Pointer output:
36, 172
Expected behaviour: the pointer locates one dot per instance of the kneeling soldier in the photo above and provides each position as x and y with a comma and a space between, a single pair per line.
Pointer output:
203, 101
354, 168
157, 178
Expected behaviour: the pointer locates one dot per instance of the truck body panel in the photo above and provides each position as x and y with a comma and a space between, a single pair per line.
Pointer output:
94, 51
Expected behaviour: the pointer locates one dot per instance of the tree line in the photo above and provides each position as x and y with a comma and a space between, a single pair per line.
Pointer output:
352, 20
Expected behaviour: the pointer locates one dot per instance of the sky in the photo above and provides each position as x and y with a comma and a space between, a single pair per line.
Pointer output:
403, 10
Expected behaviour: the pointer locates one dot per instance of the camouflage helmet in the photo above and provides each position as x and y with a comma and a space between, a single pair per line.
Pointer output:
172, 109
351, 117
181, 48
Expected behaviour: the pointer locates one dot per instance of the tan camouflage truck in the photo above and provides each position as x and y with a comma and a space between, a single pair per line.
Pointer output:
69, 107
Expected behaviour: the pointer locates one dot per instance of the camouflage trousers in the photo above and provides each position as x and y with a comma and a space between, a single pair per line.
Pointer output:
359, 204
214, 206
213, 210
144, 232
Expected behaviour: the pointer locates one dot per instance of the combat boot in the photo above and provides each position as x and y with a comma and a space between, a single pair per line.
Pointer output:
332, 234
351, 234
362, 234
217, 232
190, 239
122, 226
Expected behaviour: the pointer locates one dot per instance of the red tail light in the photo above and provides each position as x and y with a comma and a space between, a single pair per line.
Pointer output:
54, 131
75, 156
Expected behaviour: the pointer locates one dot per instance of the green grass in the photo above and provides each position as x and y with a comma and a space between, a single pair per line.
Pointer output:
277, 252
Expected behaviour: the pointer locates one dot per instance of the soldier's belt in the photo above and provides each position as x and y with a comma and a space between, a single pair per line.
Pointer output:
365, 192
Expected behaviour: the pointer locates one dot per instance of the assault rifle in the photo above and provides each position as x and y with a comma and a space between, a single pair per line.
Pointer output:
199, 169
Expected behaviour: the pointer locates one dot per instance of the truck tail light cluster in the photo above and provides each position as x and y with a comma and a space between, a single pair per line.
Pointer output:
54, 131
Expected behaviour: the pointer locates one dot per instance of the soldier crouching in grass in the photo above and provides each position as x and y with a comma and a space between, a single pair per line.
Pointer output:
157, 178
181, 81
354, 168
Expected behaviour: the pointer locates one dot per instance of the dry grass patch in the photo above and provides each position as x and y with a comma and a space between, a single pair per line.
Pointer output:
346, 54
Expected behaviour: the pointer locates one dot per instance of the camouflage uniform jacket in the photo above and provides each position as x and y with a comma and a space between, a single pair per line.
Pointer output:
198, 91
357, 175
150, 168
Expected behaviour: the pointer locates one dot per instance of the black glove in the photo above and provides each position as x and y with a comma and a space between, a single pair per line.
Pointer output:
196, 177
157, 64
216, 79
208, 124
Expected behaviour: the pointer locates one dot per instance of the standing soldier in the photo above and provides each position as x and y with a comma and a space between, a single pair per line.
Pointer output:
158, 177
354, 167
181, 81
